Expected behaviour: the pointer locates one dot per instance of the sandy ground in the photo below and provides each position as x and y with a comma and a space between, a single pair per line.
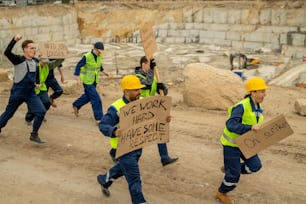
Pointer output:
64, 170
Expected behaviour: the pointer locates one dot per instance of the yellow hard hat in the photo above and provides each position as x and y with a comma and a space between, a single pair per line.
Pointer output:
131, 82
255, 84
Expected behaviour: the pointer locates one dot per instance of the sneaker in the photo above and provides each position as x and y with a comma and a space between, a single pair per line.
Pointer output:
76, 111
35, 138
169, 161
53, 102
224, 198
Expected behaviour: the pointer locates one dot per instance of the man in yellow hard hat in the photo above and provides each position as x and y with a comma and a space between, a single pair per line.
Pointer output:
127, 164
244, 116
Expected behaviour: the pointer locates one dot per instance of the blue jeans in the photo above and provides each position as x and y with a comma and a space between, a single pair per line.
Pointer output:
43, 95
233, 167
90, 95
58, 91
127, 165
24, 92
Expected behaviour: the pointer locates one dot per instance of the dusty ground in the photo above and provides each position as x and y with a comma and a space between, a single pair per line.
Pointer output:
64, 170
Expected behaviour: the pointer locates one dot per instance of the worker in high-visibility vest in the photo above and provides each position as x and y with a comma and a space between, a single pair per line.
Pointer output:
87, 72
245, 116
44, 66
51, 82
145, 73
127, 164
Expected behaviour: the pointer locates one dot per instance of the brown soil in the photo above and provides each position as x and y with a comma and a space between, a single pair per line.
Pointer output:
64, 170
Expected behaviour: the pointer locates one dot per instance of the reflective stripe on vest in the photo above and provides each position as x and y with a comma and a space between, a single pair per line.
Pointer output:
117, 105
90, 71
148, 92
43, 74
248, 118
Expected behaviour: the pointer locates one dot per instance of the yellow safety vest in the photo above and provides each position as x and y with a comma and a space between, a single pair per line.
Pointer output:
248, 118
43, 74
148, 92
90, 71
117, 105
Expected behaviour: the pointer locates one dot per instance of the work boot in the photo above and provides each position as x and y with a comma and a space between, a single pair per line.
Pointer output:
76, 111
222, 169
112, 154
104, 188
34, 138
98, 122
53, 102
224, 198
105, 191
169, 161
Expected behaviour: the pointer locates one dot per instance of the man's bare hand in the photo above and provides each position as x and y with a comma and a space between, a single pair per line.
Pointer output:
118, 132
256, 127
17, 37
78, 79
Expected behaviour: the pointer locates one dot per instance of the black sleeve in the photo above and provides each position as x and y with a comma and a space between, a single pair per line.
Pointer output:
15, 59
37, 75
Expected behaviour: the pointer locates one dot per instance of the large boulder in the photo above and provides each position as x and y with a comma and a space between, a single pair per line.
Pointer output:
300, 106
211, 88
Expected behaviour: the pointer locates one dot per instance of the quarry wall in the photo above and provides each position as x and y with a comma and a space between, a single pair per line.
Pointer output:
241, 25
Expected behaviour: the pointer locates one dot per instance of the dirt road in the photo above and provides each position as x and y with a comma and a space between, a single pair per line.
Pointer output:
64, 170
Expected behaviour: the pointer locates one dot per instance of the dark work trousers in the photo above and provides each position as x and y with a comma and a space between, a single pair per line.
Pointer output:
127, 165
162, 149
163, 152
43, 95
24, 92
234, 167
54, 85
90, 95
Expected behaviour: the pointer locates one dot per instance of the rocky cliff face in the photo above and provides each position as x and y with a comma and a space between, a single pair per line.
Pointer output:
238, 24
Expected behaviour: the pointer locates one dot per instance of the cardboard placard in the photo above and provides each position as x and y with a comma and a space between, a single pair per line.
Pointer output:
143, 122
148, 40
270, 133
55, 50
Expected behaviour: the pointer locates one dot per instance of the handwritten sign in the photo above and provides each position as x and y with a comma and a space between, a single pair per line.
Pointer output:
148, 40
271, 132
143, 122
55, 50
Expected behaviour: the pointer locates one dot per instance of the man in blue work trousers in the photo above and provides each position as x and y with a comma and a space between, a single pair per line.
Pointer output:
127, 164
87, 72
23, 89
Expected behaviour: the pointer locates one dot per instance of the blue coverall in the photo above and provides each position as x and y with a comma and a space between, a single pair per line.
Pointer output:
91, 95
54, 85
127, 164
232, 155
23, 90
